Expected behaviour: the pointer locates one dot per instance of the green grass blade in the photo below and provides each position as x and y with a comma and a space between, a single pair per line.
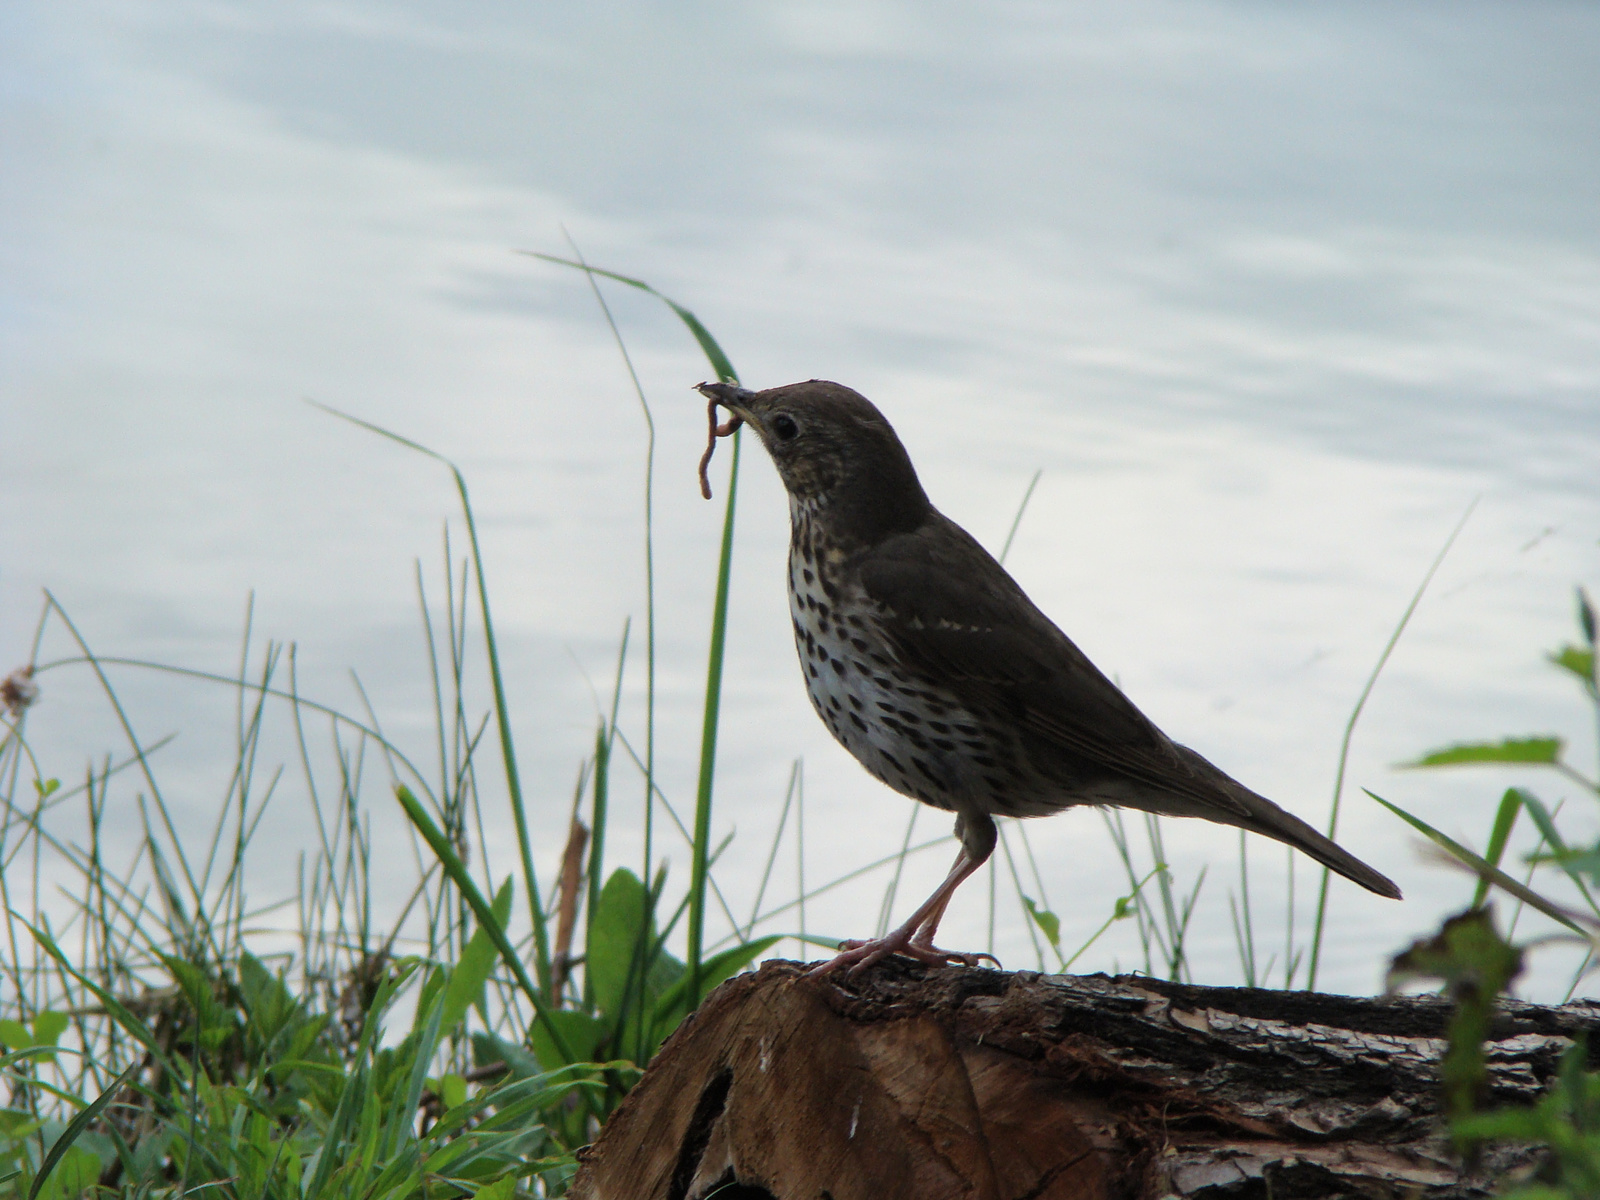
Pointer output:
1016, 521
481, 908
1125, 907
723, 366
708, 344
114, 1007
708, 737
605, 740
508, 754
1545, 820
471, 971
1504, 818
1485, 869
772, 855
76, 1127
1244, 934
649, 564
406, 1101
597, 821
95, 664
1349, 732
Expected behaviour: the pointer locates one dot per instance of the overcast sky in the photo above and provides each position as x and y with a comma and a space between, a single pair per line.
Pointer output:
1268, 292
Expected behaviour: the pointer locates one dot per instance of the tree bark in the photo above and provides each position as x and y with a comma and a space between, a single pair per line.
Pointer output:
959, 1082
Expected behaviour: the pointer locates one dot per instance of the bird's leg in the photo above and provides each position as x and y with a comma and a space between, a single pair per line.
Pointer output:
914, 939
904, 940
930, 924
978, 835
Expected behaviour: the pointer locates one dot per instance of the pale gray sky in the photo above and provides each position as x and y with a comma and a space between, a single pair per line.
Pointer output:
1268, 291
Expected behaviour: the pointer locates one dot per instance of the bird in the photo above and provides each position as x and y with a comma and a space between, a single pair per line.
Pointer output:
931, 666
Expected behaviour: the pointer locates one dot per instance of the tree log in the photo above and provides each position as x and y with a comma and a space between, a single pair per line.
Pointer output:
930, 1084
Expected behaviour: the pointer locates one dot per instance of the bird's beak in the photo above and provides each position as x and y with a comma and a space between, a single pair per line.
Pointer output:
732, 397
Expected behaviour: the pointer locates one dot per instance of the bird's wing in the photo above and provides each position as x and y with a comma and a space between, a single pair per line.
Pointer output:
960, 616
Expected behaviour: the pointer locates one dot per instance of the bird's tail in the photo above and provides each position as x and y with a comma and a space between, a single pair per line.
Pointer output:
1260, 815
1290, 829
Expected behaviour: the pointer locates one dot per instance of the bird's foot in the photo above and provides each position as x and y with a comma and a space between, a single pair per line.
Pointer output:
857, 956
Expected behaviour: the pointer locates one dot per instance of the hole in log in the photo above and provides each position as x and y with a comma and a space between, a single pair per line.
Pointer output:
729, 1188
713, 1098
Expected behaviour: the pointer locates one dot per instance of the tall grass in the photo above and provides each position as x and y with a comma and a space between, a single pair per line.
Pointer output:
150, 987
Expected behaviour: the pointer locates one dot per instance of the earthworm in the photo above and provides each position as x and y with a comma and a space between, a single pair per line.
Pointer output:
716, 431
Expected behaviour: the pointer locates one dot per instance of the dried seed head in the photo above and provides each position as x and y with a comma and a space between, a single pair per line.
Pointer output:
17, 691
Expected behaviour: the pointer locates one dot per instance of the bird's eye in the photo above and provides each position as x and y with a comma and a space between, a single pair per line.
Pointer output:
784, 428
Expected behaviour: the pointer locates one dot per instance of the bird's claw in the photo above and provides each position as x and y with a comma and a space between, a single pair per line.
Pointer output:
857, 956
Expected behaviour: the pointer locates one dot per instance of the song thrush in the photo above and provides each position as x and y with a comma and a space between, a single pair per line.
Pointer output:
930, 665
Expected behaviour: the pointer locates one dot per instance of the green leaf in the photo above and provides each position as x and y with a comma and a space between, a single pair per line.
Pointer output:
477, 960
500, 1189
452, 1090
432, 984
580, 1035
269, 1007
47, 1030
1048, 923
489, 1048
618, 936
215, 1019
1562, 1119
1467, 953
1476, 965
1580, 662
1544, 751
15, 1035
45, 787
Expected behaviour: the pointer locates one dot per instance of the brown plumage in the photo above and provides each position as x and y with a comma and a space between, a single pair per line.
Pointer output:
932, 667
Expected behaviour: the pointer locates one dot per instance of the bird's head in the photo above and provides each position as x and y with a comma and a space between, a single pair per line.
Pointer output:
834, 451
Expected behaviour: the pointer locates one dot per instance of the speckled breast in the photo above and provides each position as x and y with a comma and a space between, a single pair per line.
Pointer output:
906, 730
